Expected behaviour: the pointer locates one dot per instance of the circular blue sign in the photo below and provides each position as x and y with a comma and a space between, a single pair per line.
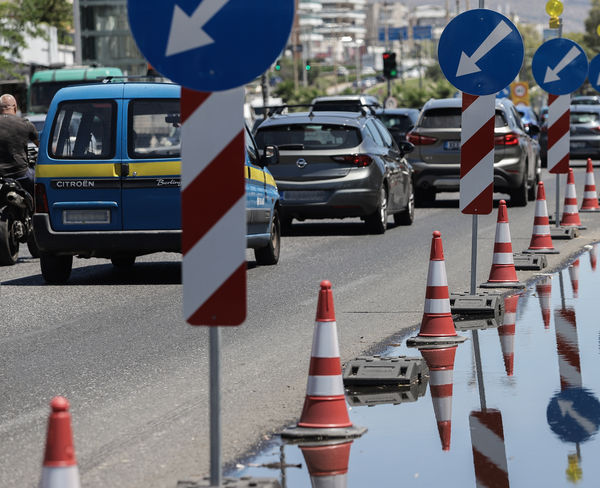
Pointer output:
481, 52
559, 66
211, 45
594, 73
574, 414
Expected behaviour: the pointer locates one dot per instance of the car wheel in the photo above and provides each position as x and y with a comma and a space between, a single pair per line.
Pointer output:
270, 253
531, 192
424, 196
407, 216
55, 269
518, 196
123, 261
377, 221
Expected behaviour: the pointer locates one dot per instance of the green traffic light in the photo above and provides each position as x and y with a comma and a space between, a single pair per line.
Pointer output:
308, 67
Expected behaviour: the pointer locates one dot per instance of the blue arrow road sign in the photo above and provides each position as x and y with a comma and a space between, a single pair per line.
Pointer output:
574, 414
559, 66
480, 52
211, 45
594, 73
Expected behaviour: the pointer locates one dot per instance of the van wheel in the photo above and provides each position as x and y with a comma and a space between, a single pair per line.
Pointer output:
34, 250
270, 253
55, 269
123, 261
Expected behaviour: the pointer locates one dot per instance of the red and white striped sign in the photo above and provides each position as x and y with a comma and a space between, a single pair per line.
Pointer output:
213, 207
489, 452
477, 154
567, 345
559, 126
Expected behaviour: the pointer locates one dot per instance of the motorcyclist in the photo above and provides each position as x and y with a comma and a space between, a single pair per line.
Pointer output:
15, 133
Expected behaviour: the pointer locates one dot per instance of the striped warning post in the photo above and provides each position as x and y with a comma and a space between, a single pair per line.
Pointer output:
559, 126
489, 451
590, 195
567, 345
60, 466
574, 275
503, 273
544, 292
570, 215
325, 414
441, 382
477, 154
541, 240
213, 243
506, 333
327, 464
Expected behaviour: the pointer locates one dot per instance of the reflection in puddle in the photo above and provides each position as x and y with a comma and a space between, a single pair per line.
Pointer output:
518, 405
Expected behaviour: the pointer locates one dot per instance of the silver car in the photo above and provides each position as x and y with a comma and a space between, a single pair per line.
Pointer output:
338, 165
436, 158
585, 132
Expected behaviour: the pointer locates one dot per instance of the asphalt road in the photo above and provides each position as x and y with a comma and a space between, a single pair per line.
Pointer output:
115, 344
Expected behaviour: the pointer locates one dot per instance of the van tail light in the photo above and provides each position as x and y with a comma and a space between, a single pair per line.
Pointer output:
418, 140
509, 139
41, 200
358, 160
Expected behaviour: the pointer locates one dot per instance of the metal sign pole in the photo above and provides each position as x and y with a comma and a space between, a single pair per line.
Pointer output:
557, 213
474, 255
215, 407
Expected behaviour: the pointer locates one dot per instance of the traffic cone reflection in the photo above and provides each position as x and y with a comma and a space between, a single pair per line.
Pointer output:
541, 240
506, 332
574, 275
594, 256
590, 196
489, 452
441, 381
570, 215
503, 273
59, 469
327, 464
544, 292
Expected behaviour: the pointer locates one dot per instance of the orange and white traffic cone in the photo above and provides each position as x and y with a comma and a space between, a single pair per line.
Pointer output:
574, 275
59, 469
570, 217
441, 382
437, 326
594, 256
590, 196
503, 273
544, 292
325, 414
541, 240
506, 332
327, 464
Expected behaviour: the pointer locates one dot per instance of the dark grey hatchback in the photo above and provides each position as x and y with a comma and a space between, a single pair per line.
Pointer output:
338, 165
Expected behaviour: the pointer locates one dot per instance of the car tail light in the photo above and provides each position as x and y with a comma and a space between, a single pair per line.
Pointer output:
359, 160
507, 140
418, 140
595, 129
41, 201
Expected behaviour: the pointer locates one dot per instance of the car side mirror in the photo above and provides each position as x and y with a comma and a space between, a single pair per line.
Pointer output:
405, 148
270, 156
533, 130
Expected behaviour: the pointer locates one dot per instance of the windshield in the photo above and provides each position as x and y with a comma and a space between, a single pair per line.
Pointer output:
450, 118
398, 122
308, 136
584, 117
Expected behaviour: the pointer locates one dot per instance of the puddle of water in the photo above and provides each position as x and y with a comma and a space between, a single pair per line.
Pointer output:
515, 405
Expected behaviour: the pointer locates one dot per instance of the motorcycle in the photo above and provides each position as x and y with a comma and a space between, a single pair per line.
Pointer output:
16, 227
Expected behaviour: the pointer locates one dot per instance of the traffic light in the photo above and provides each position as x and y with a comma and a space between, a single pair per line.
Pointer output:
278, 65
390, 69
307, 65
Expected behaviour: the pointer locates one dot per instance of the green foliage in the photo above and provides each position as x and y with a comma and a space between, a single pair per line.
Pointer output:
591, 38
532, 40
303, 96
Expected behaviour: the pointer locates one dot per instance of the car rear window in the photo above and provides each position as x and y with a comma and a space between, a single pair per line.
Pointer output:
584, 117
342, 106
155, 129
308, 136
450, 118
396, 121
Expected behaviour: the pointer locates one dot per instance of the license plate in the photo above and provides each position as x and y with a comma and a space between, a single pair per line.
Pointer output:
452, 145
86, 217
577, 145
304, 196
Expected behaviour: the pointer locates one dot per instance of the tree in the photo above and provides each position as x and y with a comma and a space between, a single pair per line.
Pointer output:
591, 38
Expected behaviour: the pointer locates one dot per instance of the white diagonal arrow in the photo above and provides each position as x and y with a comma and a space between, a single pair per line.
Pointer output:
467, 65
566, 408
187, 31
552, 74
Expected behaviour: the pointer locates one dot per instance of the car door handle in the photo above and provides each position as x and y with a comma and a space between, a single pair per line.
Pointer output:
124, 169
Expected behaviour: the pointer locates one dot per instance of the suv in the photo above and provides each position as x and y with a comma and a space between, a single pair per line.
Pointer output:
338, 165
436, 158
108, 179
344, 103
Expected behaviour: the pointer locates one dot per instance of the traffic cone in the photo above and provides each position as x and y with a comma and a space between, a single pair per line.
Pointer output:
503, 273
544, 292
541, 241
59, 469
506, 332
570, 217
437, 326
574, 275
590, 196
594, 256
327, 464
441, 381
325, 414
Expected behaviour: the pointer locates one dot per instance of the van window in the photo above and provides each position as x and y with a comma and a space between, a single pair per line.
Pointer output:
84, 129
154, 129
